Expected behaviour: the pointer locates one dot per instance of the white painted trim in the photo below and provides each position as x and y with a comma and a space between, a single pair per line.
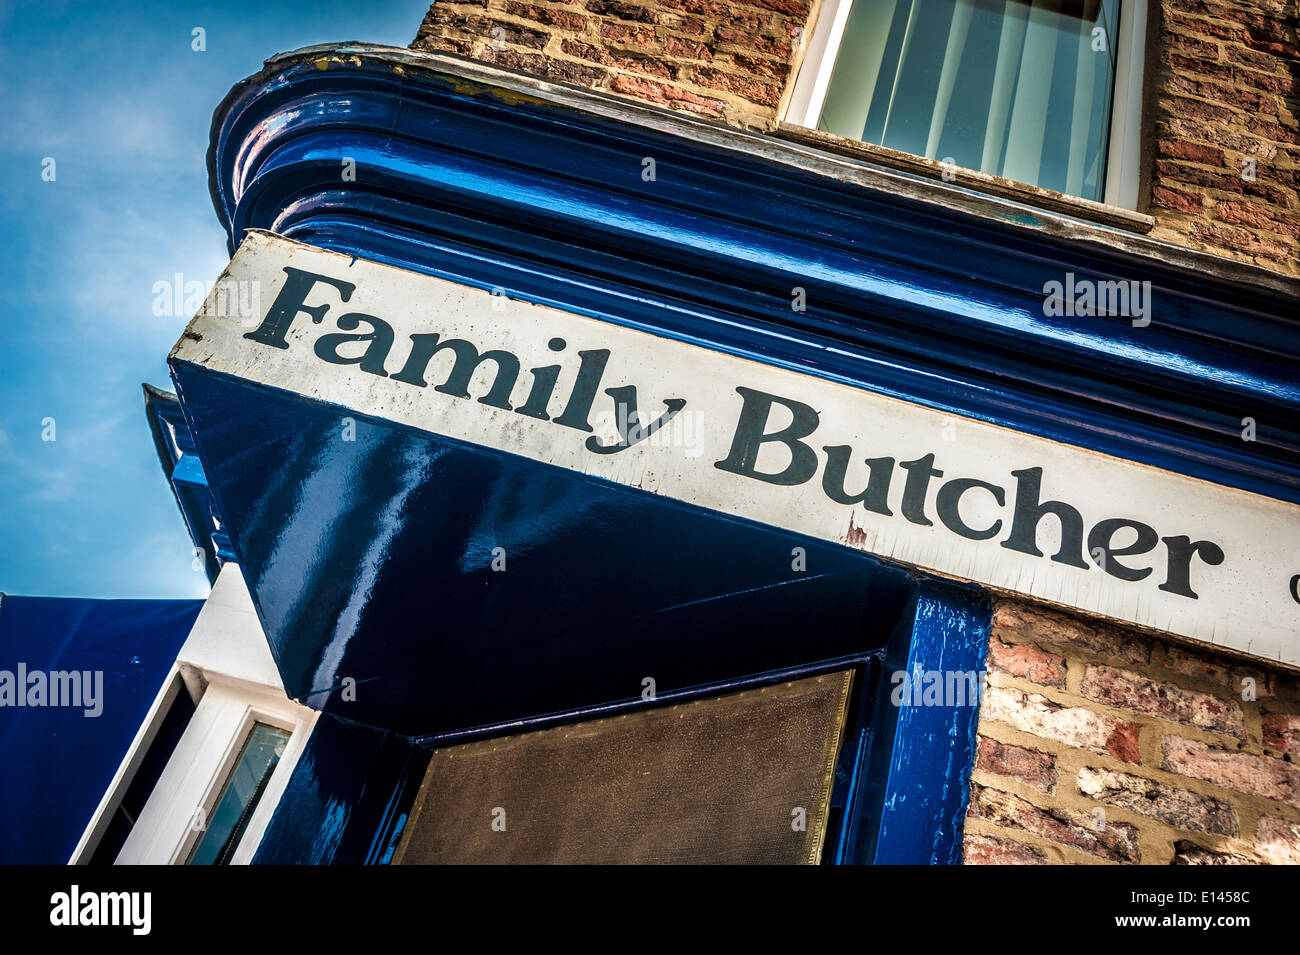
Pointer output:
814, 77
1124, 157
126, 770
199, 768
227, 667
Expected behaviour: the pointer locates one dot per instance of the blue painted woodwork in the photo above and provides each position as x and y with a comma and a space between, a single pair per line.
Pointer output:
58, 761
370, 560
184, 472
932, 304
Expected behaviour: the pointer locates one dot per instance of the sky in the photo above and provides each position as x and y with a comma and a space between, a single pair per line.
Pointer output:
121, 102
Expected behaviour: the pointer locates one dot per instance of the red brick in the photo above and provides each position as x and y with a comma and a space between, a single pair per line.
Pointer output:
1241, 241
1173, 199
1074, 726
1029, 766
1027, 661
1245, 772
1278, 840
665, 95
1201, 665
1195, 152
747, 87
1258, 217
1189, 853
629, 35
555, 18
1282, 733
744, 39
686, 49
986, 850
1141, 694
1117, 842
1067, 632
1180, 808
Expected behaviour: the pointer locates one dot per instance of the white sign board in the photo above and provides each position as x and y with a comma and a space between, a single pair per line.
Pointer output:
951, 495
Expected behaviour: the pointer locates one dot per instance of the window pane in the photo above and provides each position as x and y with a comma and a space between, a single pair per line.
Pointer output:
740, 778
253, 769
1021, 90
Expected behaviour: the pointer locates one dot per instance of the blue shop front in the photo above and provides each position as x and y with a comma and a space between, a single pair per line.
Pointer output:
584, 482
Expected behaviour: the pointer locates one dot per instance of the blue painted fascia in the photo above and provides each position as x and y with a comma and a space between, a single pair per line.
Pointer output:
501, 181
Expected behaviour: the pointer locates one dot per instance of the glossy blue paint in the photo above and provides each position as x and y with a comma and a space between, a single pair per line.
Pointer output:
184, 472
47, 801
918, 301
371, 560
919, 770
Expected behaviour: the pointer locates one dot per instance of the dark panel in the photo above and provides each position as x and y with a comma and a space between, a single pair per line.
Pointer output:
46, 803
716, 780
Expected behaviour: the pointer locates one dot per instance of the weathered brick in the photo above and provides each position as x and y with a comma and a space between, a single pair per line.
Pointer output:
666, 95
987, 850
495, 30
741, 85
747, 40
637, 64
547, 66
687, 49
1241, 241
1168, 198
1189, 853
1257, 217
1028, 622
1180, 808
1027, 661
1245, 772
1117, 842
1278, 840
547, 15
1141, 694
1195, 152
621, 11
630, 35
1202, 665
1029, 766
1073, 726
1282, 733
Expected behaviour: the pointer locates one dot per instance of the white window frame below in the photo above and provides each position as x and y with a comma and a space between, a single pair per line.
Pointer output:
1123, 157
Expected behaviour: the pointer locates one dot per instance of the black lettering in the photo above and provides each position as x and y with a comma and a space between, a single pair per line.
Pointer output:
1029, 511
466, 362
919, 473
290, 302
947, 505
875, 497
751, 434
380, 343
1178, 579
1100, 537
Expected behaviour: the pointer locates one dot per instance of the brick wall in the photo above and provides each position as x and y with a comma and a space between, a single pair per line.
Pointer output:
1098, 744
724, 60
1226, 90
1223, 77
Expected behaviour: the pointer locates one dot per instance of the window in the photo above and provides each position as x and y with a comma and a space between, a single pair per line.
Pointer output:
1044, 92
243, 790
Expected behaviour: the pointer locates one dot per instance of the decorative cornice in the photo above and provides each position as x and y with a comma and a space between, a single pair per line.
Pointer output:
915, 289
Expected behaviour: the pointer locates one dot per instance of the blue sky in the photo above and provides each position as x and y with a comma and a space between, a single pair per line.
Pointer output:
115, 95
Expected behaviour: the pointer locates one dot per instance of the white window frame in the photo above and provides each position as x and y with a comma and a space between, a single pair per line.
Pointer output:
197, 773
1123, 157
